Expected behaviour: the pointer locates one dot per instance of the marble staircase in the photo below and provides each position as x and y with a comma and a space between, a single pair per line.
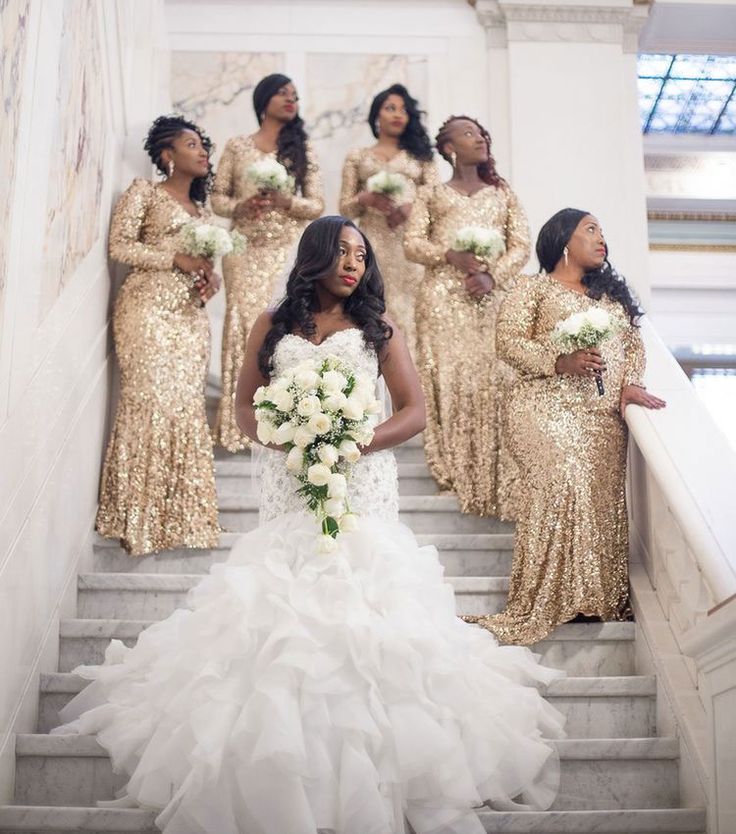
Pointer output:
617, 775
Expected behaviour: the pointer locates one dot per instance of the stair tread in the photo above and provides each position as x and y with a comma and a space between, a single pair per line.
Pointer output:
444, 503
670, 820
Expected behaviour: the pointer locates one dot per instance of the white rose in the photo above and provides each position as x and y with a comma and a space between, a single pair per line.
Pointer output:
335, 402
295, 460
283, 400
333, 382
363, 435
349, 450
326, 544
353, 409
303, 437
348, 523
318, 474
334, 507
264, 432
284, 433
373, 407
337, 485
307, 406
307, 379
599, 318
260, 395
280, 384
319, 423
328, 454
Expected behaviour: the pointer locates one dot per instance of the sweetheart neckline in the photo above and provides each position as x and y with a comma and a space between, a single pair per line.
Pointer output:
326, 338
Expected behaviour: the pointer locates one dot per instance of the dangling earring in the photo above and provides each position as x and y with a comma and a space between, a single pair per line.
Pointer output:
377, 127
262, 116
171, 167
453, 159
565, 253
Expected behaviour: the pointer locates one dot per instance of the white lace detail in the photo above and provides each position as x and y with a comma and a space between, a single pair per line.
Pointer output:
373, 485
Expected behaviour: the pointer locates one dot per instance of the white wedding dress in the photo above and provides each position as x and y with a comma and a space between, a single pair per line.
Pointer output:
306, 692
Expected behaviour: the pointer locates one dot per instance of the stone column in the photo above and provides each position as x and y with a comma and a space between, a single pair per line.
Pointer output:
564, 114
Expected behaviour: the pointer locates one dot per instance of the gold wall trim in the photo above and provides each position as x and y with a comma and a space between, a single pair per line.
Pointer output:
692, 247
720, 217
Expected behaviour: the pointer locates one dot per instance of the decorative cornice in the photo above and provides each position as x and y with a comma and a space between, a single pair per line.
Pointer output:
692, 247
700, 216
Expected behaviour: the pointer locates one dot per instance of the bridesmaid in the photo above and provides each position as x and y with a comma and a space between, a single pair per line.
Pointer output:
272, 221
158, 481
571, 546
457, 304
404, 148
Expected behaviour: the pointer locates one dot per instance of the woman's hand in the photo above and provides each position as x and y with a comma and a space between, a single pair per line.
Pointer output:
636, 395
276, 199
252, 208
208, 286
479, 284
580, 363
464, 261
193, 265
399, 215
380, 202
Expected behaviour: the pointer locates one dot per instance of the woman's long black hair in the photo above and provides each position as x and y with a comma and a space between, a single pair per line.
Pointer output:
551, 242
415, 139
291, 145
161, 135
486, 170
316, 258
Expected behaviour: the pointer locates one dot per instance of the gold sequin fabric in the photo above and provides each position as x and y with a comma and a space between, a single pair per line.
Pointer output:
571, 544
464, 383
158, 481
250, 277
401, 277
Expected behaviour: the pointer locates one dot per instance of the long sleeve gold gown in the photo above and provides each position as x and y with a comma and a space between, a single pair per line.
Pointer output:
571, 545
463, 381
250, 278
401, 277
158, 481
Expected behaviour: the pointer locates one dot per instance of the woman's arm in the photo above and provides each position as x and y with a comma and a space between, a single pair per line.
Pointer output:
350, 205
223, 191
518, 243
311, 203
126, 226
407, 399
417, 244
251, 377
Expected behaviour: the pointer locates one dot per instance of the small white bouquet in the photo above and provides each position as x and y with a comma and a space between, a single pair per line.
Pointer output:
482, 242
384, 182
208, 241
320, 411
270, 175
585, 330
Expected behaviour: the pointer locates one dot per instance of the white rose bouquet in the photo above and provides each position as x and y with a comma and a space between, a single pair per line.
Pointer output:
270, 175
482, 242
384, 182
208, 241
585, 330
320, 411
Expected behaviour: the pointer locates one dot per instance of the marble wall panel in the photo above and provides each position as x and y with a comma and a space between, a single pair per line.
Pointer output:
215, 89
77, 164
13, 43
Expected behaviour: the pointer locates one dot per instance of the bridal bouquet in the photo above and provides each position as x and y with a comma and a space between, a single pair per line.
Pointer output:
270, 175
585, 330
384, 182
320, 410
208, 241
482, 242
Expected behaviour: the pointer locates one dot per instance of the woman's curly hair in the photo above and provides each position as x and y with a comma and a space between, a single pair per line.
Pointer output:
161, 136
316, 258
415, 139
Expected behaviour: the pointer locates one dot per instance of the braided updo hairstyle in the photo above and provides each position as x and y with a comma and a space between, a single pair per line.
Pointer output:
161, 136
486, 170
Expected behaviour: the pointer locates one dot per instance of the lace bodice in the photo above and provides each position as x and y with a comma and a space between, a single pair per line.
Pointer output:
373, 484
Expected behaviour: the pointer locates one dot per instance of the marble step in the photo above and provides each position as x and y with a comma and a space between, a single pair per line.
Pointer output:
423, 514
31, 819
234, 477
462, 554
596, 774
614, 707
581, 649
136, 596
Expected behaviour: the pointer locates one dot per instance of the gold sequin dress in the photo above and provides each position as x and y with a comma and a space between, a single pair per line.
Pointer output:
571, 544
401, 277
250, 277
158, 481
463, 381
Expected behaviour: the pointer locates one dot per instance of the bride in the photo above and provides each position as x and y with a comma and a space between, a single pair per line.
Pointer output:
305, 692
